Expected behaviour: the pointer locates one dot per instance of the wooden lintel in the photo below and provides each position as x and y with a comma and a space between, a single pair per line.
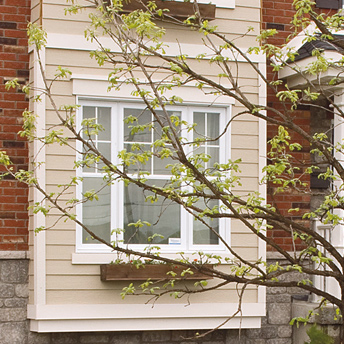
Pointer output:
176, 9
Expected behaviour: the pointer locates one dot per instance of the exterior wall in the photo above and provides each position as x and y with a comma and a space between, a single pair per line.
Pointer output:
67, 282
278, 15
14, 16
14, 328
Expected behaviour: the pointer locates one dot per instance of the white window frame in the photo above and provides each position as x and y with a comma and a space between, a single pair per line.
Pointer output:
117, 195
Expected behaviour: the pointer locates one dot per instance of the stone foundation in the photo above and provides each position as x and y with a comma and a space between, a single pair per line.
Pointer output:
14, 327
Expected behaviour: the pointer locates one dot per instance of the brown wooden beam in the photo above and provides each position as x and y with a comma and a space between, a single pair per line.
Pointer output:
181, 10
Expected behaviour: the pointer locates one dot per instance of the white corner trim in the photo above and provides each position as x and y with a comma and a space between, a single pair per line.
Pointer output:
141, 317
39, 219
262, 162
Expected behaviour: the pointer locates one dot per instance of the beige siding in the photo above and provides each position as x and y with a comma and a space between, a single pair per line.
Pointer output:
68, 283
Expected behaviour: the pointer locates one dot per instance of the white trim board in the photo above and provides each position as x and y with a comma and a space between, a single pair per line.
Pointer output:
83, 87
140, 317
79, 42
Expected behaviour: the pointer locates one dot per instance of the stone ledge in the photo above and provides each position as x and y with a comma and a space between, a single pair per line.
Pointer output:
4, 255
324, 316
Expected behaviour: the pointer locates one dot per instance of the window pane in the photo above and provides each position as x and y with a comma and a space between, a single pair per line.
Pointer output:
104, 118
163, 216
202, 235
143, 117
96, 214
213, 124
139, 166
199, 118
214, 154
89, 112
105, 149
159, 166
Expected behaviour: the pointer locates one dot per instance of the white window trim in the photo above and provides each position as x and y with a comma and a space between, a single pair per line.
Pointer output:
117, 191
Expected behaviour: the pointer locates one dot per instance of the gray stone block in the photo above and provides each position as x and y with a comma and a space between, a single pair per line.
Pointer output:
285, 331
279, 313
39, 338
276, 290
178, 336
94, 338
12, 314
279, 341
15, 271
13, 333
6, 290
126, 338
255, 341
64, 338
236, 337
15, 303
264, 332
156, 336
22, 290
278, 298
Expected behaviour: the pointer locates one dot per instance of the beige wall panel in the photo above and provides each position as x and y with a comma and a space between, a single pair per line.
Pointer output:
243, 117
60, 162
253, 98
248, 184
109, 296
246, 155
60, 237
247, 13
245, 142
61, 225
59, 252
55, 267
35, 13
244, 240
61, 101
59, 177
239, 125
247, 170
239, 228
250, 253
62, 88
57, 11
70, 58
56, 149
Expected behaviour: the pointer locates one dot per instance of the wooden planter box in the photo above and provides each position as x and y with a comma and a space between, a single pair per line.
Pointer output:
181, 10
128, 272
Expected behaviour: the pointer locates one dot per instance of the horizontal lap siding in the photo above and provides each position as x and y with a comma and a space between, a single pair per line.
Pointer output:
67, 283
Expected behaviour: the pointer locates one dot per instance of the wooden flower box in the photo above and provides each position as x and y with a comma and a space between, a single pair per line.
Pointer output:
129, 272
177, 9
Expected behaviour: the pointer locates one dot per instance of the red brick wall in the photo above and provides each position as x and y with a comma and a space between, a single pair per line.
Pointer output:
14, 15
278, 14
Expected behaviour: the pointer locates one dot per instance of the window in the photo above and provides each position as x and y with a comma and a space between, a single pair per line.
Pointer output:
119, 205
330, 4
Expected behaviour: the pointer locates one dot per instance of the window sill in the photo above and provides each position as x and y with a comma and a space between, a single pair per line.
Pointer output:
155, 272
180, 10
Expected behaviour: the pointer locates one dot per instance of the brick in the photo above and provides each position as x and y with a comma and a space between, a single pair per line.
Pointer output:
8, 41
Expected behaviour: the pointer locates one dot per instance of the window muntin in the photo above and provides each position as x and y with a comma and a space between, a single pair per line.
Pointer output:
127, 204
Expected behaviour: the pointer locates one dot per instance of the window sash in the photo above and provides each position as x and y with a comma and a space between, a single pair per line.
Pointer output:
329, 4
117, 191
